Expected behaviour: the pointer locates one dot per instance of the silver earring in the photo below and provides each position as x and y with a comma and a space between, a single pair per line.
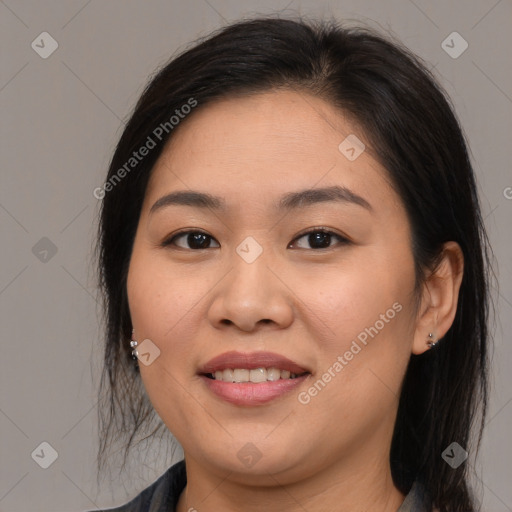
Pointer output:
134, 344
430, 342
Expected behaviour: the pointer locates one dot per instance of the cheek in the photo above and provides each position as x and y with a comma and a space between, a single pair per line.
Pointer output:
162, 300
162, 306
159, 296
364, 299
363, 354
367, 308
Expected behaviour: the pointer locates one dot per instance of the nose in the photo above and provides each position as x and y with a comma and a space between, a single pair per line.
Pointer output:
250, 297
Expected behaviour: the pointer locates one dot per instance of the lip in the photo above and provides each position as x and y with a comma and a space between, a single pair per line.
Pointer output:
250, 361
251, 393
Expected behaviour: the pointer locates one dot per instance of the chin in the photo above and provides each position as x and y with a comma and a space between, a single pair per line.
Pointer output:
254, 464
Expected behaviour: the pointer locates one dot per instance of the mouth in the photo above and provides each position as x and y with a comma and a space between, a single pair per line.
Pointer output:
252, 378
254, 375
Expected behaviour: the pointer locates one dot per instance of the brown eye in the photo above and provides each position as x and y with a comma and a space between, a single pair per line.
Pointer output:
193, 240
321, 239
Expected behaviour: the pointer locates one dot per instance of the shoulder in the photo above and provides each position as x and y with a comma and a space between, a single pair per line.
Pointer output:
160, 495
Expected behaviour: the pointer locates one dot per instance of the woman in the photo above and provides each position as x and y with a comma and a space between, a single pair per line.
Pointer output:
291, 246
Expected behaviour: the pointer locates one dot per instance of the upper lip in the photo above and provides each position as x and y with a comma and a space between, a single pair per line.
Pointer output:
250, 361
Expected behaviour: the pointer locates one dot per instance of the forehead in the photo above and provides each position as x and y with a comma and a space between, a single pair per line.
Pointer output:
266, 143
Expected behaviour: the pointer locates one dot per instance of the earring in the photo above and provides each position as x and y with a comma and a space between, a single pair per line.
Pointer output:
430, 342
133, 344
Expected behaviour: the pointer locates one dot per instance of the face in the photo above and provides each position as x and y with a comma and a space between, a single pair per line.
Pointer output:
265, 279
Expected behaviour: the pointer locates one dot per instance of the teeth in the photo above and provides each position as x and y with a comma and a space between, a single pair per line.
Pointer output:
255, 375
227, 375
258, 375
273, 374
241, 375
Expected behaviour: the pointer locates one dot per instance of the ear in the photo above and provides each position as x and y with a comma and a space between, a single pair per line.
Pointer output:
440, 296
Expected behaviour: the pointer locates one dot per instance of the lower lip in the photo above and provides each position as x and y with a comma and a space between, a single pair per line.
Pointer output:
250, 393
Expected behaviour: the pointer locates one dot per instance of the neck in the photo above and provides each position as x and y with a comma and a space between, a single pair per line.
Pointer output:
349, 485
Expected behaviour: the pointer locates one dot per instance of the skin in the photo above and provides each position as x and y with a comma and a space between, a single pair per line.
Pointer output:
300, 301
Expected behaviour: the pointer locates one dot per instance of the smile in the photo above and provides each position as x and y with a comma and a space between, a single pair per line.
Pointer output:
254, 375
249, 379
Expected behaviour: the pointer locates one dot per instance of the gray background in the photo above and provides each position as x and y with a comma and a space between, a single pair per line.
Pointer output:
60, 119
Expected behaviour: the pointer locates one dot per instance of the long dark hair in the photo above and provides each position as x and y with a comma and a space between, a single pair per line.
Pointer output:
415, 135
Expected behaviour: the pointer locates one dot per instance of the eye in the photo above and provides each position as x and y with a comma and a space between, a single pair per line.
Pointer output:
320, 238
195, 239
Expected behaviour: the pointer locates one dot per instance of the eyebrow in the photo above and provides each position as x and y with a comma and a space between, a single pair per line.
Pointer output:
289, 201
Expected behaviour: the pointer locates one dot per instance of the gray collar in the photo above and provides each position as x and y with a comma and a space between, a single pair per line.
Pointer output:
416, 500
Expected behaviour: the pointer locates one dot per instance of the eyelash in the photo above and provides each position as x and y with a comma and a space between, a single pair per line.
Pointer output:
343, 240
